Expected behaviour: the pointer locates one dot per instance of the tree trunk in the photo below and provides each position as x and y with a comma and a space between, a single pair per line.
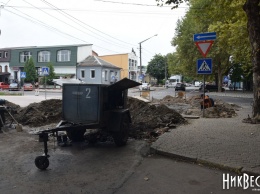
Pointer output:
219, 79
252, 9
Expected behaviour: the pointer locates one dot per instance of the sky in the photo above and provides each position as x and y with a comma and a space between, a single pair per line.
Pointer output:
112, 26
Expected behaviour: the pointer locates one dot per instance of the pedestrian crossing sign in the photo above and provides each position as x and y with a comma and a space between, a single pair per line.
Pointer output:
22, 74
204, 66
45, 71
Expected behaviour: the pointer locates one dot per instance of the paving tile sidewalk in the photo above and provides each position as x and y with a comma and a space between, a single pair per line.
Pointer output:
223, 142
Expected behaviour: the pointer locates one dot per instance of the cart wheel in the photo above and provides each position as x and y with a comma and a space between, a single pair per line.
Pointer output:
120, 137
41, 162
76, 135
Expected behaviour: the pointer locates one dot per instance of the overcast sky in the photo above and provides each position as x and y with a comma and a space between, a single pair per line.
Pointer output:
112, 26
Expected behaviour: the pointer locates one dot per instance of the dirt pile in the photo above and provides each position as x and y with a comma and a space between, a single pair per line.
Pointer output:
192, 106
39, 114
149, 120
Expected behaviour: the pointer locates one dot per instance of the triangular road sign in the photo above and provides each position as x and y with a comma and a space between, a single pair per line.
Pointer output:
204, 47
204, 67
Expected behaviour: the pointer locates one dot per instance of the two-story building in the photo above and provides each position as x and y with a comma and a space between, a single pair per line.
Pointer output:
128, 62
4, 65
63, 58
95, 70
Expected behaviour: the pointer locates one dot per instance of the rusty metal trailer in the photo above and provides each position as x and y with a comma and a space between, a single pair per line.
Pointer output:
90, 106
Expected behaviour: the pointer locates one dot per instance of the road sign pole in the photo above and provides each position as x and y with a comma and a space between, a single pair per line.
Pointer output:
23, 85
45, 86
203, 113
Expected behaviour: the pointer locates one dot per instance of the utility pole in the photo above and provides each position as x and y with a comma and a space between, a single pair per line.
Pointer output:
140, 47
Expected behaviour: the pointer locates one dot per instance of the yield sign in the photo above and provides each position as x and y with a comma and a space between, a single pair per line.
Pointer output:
204, 47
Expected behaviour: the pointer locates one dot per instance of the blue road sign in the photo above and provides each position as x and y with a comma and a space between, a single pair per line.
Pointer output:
205, 36
22, 74
45, 70
204, 66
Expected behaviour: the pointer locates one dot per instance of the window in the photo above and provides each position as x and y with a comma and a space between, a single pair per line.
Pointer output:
44, 56
24, 56
0, 69
106, 75
92, 73
6, 68
5, 54
0, 55
63, 55
82, 73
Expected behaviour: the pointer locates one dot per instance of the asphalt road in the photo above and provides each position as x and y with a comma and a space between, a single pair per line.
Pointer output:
102, 168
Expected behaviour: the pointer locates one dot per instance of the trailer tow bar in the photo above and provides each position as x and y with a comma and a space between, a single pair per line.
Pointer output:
42, 162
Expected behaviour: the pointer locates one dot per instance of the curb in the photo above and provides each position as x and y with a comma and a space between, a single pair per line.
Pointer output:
238, 170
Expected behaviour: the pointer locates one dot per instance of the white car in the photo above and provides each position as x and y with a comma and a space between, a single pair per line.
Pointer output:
144, 86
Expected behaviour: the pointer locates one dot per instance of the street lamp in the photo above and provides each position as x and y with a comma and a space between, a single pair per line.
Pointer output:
140, 46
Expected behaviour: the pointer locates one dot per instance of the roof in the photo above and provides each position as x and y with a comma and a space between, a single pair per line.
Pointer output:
4, 73
30, 47
94, 61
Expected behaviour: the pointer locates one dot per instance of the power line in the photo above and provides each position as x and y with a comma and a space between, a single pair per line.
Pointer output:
101, 11
50, 27
104, 40
75, 19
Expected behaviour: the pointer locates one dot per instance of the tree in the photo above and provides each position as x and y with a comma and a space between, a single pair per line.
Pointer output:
252, 10
30, 70
174, 66
51, 76
156, 67
236, 73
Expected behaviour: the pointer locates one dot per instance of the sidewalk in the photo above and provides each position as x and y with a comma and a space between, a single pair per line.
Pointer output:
226, 143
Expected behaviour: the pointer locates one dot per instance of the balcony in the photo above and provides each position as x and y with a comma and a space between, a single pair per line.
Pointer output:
133, 69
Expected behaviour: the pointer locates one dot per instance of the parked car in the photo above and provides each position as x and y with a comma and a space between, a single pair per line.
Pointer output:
4, 86
144, 86
27, 87
180, 86
210, 88
13, 86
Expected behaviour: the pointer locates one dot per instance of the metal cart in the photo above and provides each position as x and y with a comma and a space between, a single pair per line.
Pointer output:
90, 106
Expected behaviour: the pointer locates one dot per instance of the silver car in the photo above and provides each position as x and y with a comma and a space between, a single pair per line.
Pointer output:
13, 86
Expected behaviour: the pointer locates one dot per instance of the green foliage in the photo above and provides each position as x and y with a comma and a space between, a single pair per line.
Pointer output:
228, 20
50, 77
30, 70
156, 67
236, 72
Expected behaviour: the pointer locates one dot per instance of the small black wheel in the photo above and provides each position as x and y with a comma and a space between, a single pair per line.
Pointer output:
121, 137
42, 162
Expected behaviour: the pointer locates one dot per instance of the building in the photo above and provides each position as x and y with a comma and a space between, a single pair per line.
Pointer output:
4, 65
64, 59
98, 71
127, 62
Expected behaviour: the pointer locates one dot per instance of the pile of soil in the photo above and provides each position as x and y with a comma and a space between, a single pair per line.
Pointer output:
39, 114
192, 106
149, 120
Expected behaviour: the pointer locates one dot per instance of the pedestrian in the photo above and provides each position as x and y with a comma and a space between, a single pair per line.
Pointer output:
36, 86
205, 102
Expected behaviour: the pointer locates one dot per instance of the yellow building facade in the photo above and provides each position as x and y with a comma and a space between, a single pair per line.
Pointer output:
128, 62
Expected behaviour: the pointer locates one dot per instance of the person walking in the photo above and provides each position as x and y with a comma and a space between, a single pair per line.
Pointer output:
36, 86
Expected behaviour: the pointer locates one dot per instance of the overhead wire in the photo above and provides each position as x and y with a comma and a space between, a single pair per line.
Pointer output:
104, 40
75, 19
51, 28
102, 11
52, 7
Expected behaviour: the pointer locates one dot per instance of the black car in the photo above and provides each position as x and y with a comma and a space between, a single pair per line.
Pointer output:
210, 88
180, 87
